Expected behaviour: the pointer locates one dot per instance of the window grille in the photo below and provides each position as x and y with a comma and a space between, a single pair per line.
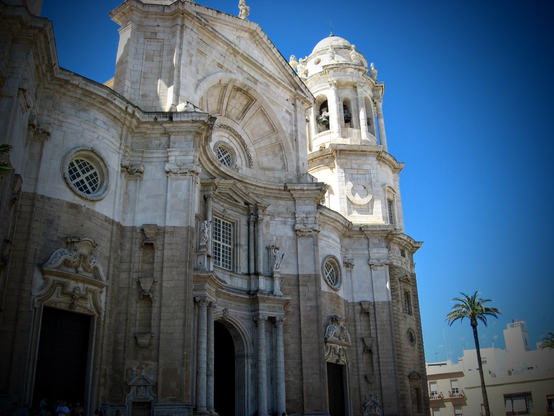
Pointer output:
83, 176
222, 246
407, 303
390, 208
224, 156
331, 274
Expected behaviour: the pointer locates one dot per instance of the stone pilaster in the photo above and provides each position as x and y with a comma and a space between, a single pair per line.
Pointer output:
362, 113
251, 244
381, 123
334, 109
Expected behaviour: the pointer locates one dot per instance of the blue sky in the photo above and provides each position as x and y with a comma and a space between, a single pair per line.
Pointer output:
469, 96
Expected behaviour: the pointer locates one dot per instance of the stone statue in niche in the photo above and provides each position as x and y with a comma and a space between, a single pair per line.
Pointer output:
277, 258
372, 406
205, 228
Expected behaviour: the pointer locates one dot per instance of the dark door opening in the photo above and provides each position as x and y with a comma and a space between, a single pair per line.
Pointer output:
224, 371
62, 356
335, 387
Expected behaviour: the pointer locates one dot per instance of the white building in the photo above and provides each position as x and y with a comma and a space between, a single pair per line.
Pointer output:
519, 380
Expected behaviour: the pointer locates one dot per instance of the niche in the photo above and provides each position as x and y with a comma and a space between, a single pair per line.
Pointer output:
323, 117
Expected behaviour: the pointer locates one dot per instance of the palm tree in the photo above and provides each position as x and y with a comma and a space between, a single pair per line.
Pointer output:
548, 341
5, 167
473, 308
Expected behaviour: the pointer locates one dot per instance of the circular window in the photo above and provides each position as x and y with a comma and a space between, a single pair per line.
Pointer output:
317, 61
331, 272
224, 156
411, 336
85, 173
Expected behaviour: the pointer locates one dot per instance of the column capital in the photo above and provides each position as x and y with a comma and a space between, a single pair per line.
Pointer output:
260, 319
201, 301
279, 320
378, 264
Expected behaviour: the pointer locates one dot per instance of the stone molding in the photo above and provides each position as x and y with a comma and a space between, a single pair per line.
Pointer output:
378, 264
73, 278
181, 169
241, 141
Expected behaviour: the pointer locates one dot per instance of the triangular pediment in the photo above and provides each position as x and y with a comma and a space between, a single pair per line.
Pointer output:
250, 44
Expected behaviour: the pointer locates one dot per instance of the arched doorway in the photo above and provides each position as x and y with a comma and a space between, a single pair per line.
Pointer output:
62, 356
224, 371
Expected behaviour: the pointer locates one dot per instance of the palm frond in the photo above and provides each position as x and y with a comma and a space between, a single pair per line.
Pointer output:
548, 341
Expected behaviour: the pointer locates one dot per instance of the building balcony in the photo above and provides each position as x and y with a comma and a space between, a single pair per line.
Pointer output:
436, 395
456, 395
550, 410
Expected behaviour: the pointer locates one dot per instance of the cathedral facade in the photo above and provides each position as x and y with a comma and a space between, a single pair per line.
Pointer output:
214, 230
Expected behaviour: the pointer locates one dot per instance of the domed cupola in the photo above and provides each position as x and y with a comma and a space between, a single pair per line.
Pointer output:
337, 75
347, 147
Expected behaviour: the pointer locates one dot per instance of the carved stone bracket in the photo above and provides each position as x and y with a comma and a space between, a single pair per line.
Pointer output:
150, 231
378, 264
368, 344
365, 305
133, 169
337, 340
146, 284
73, 278
143, 339
348, 264
181, 169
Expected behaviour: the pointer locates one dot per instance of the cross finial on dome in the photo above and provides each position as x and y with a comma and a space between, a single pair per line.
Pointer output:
331, 27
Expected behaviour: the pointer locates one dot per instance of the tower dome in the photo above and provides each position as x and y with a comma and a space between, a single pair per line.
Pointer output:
335, 41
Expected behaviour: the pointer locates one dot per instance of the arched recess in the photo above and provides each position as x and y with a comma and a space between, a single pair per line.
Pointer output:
323, 118
226, 332
246, 121
72, 292
347, 113
370, 114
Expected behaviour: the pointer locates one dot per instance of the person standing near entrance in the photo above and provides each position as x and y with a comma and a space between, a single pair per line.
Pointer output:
62, 409
78, 411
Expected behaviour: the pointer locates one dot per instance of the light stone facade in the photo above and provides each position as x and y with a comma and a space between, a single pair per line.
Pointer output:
215, 229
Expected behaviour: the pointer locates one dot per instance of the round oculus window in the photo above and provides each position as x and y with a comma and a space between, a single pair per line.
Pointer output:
224, 156
331, 272
85, 173
411, 336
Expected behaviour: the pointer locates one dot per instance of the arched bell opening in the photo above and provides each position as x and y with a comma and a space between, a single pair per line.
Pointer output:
323, 117
347, 113
370, 114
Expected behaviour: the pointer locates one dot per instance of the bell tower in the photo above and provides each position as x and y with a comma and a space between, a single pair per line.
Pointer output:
347, 145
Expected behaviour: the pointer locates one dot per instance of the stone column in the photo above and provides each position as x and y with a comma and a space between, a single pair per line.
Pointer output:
280, 364
362, 113
260, 251
210, 360
334, 110
201, 365
381, 122
251, 245
262, 370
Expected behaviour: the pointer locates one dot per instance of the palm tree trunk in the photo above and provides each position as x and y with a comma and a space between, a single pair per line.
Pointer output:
483, 389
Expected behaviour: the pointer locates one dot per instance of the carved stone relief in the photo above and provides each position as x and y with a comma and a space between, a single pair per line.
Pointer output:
337, 340
73, 278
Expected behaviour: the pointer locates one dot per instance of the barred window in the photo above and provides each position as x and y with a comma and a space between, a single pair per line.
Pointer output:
222, 248
407, 303
390, 209
331, 272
